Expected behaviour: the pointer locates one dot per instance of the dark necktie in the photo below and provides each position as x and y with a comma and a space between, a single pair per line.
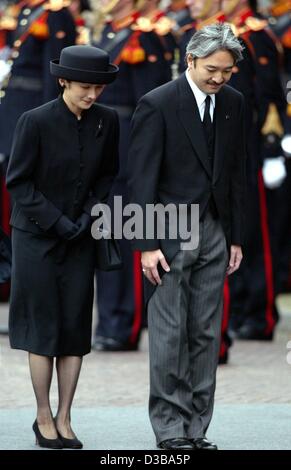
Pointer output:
209, 135
208, 128
207, 123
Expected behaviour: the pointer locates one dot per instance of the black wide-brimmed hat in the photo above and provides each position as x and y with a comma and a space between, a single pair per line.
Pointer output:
85, 64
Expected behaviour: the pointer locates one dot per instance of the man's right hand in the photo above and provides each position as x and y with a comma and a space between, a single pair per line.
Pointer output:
150, 261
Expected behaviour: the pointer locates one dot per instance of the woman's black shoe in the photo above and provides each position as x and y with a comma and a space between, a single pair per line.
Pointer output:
43, 441
70, 443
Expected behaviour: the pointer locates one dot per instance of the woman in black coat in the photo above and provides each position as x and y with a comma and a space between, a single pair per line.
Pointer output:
63, 162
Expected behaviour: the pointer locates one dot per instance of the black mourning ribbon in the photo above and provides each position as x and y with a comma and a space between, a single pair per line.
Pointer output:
99, 128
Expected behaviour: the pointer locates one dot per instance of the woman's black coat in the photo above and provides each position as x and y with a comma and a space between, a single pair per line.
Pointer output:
58, 166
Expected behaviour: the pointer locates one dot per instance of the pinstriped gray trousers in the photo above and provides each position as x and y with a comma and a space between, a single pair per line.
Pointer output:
184, 321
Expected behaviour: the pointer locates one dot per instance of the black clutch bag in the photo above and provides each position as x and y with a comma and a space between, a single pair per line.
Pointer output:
108, 256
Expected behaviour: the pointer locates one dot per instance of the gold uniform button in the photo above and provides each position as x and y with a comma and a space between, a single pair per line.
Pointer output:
168, 55
23, 22
152, 58
60, 34
27, 11
111, 35
263, 60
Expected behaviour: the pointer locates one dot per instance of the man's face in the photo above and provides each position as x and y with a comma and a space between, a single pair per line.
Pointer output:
82, 95
212, 72
202, 8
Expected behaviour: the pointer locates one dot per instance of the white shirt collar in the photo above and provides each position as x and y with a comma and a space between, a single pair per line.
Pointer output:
200, 96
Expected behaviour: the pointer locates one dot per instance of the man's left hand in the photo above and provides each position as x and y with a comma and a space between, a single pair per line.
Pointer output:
235, 259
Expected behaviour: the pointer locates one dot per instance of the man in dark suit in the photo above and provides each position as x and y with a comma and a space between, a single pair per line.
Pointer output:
188, 147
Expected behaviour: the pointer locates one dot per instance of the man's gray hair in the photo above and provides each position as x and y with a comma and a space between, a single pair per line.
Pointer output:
214, 37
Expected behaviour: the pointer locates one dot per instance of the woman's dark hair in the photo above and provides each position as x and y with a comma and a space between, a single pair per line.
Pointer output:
59, 87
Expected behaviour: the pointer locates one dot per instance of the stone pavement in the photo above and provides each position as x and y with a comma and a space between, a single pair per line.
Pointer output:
253, 396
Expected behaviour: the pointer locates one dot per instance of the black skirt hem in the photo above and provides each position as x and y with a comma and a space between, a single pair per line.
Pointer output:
46, 354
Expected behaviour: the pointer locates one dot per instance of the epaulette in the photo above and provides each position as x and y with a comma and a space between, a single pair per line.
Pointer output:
8, 20
255, 24
272, 124
83, 35
142, 24
56, 5
7, 23
125, 22
236, 30
164, 26
133, 52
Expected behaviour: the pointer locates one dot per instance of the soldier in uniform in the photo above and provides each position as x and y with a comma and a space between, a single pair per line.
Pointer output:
79, 9
143, 64
180, 14
252, 300
280, 22
154, 19
8, 23
44, 28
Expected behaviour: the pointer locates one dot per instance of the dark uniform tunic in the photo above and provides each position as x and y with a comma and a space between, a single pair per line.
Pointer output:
252, 288
58, 165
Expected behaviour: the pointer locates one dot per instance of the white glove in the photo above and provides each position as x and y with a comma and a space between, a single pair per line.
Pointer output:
286, 145
274, 172
4, 71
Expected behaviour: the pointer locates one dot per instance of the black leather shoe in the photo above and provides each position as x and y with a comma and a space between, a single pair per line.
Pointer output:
252, 333
103, 343
202, 443
179, 443
43, 441
70, 443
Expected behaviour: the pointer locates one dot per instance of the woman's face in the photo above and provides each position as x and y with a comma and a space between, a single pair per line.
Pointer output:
81, 95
